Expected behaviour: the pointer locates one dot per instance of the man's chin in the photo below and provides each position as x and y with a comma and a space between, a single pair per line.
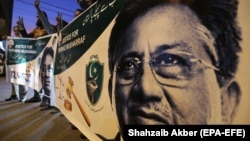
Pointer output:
46, 91
140, 120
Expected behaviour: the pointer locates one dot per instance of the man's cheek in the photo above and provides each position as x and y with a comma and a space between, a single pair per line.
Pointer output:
121, 95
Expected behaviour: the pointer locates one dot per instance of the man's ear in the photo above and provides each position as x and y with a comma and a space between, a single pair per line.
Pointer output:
231, 95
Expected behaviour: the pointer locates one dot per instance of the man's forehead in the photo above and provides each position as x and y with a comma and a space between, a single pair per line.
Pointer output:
174, 22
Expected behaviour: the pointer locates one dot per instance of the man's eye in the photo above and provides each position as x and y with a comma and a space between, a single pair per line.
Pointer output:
169, 65
167, 60
127, 70
127, 66
49, 68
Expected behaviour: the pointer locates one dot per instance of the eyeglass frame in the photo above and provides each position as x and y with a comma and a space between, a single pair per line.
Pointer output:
192, 59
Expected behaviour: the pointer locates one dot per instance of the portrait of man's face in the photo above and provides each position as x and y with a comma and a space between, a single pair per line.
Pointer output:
10, 43
164, 74
46, 73
54, 41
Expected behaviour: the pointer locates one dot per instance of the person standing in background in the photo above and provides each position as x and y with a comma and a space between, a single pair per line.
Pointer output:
50, 29
18, 92
78, 12
38, 31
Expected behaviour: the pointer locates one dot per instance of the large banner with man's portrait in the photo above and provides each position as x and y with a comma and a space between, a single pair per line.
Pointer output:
153, 64
136, 62
25, 62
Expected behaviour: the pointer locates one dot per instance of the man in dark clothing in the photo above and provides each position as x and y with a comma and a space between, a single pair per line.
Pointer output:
38, 31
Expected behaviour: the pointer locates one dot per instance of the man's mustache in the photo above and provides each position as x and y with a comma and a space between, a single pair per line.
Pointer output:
164, 112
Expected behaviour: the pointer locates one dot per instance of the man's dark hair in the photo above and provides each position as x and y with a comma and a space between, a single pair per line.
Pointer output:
218, 16
47, 51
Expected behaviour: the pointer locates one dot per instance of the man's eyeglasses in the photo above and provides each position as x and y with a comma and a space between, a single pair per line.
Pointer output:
167, 68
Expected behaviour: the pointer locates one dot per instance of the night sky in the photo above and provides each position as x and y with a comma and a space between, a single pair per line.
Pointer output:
27, 10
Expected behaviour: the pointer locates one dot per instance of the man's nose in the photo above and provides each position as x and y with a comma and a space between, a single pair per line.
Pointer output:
47, 72
148, 84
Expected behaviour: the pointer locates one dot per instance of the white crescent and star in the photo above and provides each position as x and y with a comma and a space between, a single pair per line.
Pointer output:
90, 72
